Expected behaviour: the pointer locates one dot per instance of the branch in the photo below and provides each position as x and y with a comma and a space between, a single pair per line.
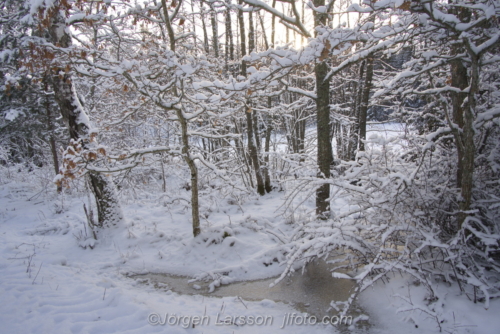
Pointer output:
290, 20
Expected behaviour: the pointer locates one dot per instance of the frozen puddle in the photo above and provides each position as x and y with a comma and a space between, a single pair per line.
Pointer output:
310, 292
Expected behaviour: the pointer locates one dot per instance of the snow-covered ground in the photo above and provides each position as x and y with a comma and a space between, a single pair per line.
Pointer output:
50, 284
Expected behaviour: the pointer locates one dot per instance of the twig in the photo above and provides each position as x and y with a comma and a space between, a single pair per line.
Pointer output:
39, 268
241, 300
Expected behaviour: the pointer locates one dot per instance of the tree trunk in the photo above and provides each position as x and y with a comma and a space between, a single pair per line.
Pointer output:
354, 134
194, 173
254, 156
75, 118
52, 140
459, 79
325, 157
468, 147
215, 34
252, 149
185, 136
170, 30
251, 33
269, 129
243, 42
204, 27
273, 27
264, 35
363, 108
463, 117
229, 38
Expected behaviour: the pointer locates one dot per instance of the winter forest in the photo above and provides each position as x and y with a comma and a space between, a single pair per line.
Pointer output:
236, 166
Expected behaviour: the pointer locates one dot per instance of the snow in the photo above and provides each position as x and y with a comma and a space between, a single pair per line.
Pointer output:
357, 8
429, 54
50, 284
486, 45
12, 114
200, 96
400, 293
82, 114
71, 289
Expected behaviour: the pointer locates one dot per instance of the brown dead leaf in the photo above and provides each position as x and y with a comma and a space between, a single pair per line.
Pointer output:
405, 5
325, 51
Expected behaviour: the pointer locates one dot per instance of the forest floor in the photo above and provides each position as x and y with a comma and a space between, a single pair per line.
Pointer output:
50, 283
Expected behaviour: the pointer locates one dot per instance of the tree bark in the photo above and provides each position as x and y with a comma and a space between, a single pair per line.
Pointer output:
243, 42
269, 129
363, 108
195, 215
229, 38
264, 35
325, 157
254, 156
52, 140
215, 34
251, 33
459, 79
463, 117
194, 173
273, 27
75, 118
170, 30
467, 146
252, 149
204, 27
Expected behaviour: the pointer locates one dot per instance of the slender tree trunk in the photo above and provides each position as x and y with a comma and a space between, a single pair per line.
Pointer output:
463, 117
363, 108
229, 38
194, 26
194, 173
170, 30
252, 149
273, 27
325, 157
243, 42
287, 34
354, 134
195, 215
468, 147
215, 34
251, 33
459, 79
256, 133
204, 27
302, 21
266, 43
244, 156
254, 156
230, 32
51, 129
269, 129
